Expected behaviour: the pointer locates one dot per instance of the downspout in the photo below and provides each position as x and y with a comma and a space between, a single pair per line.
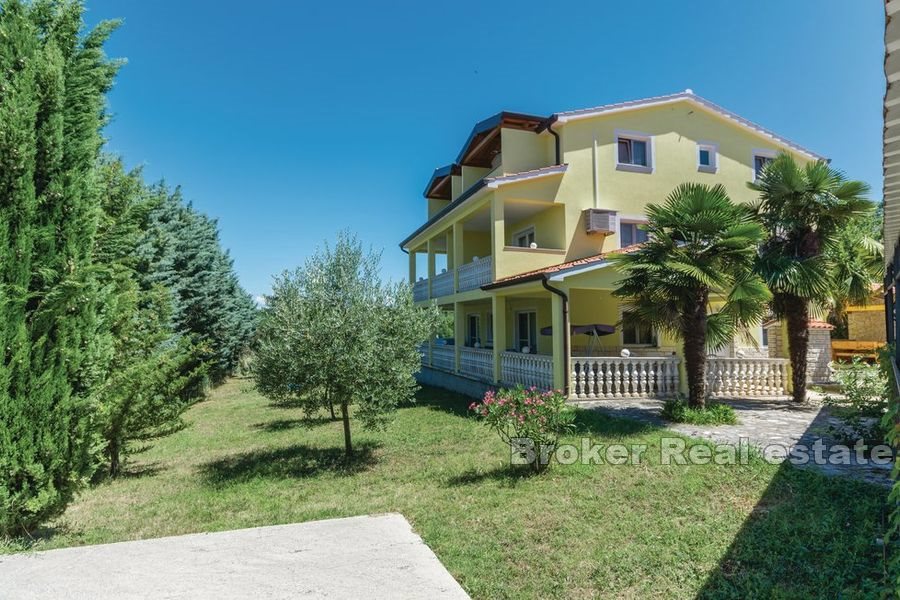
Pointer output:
565, 307
549, 126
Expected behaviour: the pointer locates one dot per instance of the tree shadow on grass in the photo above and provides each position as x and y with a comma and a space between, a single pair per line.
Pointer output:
295, 462
140, 471
286, 424
508, 475
33, 539
441, 400
601, 423
808, 536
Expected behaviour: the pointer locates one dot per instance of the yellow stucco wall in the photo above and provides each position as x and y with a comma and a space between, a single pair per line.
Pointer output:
594, 181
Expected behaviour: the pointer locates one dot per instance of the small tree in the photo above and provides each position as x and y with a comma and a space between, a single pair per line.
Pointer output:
803, 210
333, 332
700, 251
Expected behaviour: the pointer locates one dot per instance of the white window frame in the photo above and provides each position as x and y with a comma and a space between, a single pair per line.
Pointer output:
518, 334
524, 233
477, 339
637, 136
654, 339
762, 153
627, 221
713, 149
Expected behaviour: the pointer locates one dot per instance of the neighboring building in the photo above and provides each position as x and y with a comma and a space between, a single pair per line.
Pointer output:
891, 164
519, 228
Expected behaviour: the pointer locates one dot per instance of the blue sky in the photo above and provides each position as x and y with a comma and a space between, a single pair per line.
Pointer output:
288, 121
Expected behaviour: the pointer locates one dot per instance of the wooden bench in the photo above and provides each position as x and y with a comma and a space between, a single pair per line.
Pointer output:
847, 349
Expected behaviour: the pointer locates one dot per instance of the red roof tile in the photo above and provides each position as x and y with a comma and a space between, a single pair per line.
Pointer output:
579, 262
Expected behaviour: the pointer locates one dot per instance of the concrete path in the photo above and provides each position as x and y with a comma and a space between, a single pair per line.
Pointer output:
770, 424
360, 557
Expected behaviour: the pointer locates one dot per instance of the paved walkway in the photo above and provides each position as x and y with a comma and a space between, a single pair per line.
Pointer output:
360, 557
769, 424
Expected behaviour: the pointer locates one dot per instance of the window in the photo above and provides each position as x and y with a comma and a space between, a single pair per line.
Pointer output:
760, 159
490, 329
524, 239
473, 330
764, 338
526, 331
707, 157
634, 152
630, 233
635, 334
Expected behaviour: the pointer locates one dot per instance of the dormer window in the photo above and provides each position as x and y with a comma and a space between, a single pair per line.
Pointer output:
634, 152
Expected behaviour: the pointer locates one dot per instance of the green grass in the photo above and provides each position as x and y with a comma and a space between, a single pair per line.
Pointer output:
714, 413
578, 531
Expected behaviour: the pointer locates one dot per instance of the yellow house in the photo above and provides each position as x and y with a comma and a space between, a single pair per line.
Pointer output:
519, 228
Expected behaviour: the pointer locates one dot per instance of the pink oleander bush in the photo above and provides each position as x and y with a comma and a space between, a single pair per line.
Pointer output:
529, 420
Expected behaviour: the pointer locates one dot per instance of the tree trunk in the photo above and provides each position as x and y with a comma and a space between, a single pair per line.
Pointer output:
695, 352
348, 444
113, 452
330, 404
796, 312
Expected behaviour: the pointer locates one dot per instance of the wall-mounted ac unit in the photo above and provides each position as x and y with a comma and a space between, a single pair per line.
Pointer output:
600, 221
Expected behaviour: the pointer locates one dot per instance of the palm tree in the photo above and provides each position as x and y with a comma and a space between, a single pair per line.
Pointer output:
803, 210
858, 259
694, 276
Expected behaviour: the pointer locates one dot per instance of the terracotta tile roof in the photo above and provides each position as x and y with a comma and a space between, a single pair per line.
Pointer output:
539, 273
813, 324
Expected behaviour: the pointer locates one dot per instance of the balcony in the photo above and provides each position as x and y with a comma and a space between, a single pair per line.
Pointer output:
469, 276
475, 274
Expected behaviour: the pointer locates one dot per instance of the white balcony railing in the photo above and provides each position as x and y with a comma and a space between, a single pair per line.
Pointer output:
617, 377
475, 274
527, 369
476, 363
746, 377
442, 284
420, 290
443, 358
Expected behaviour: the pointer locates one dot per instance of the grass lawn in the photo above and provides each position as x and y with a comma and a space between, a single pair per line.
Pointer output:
577, 531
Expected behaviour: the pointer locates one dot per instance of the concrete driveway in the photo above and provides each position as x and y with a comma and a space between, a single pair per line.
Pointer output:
360, 557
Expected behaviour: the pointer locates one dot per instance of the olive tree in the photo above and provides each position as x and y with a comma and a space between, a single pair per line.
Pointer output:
334, 334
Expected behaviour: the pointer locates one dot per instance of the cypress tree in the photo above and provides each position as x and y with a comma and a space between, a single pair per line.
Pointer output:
52, 85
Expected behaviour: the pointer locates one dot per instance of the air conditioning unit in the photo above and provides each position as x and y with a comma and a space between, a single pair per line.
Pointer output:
600, 221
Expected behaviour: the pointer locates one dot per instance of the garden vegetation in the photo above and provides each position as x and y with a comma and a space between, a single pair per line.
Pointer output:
117, 302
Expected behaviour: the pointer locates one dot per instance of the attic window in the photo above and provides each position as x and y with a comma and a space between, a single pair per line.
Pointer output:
760, 159
707, 157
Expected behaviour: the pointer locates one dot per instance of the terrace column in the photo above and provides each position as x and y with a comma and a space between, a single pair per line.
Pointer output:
429, 247
457, 253
498, 235
412, 266
560, 354
498, 311
459, 330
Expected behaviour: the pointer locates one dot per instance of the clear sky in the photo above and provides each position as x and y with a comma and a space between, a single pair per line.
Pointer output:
290, 120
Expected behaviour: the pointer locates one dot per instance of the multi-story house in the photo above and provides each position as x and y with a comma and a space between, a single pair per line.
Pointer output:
519, 229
